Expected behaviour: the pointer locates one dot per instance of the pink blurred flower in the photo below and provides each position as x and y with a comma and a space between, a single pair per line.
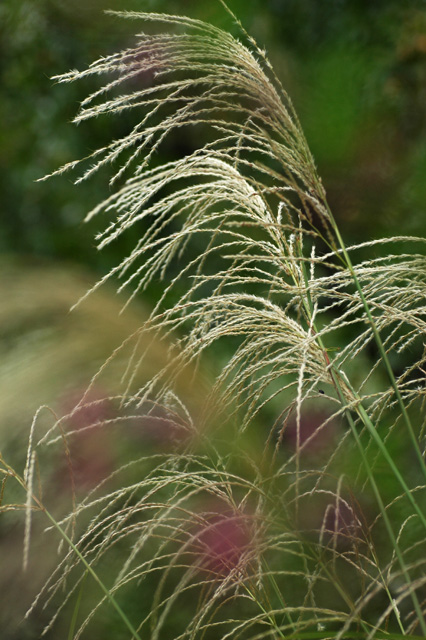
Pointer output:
224, 541
90, 412
315, 436
90, 458
160, 428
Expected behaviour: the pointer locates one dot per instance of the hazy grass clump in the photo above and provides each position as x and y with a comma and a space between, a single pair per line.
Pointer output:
281, 494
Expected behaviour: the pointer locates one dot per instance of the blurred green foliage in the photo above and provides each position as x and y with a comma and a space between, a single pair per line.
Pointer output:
356, 71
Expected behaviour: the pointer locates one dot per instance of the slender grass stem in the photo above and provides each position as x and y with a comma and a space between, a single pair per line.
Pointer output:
94, 575
366, 420
279, 594
82, 559
379, 342
360, 409
77, 608
386, 520
268, 614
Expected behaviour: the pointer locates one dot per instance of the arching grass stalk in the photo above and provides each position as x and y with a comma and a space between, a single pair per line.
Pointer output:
382, 508
371, 429
346, 598
359, 408
378, 340
373, 432
82, 559
366, 420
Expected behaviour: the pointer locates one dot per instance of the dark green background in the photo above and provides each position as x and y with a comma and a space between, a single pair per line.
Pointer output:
356, 71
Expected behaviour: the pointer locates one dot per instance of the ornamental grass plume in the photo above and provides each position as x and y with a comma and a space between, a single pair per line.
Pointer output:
252, 276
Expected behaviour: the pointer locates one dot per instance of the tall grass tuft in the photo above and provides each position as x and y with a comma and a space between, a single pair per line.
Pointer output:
284, 496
